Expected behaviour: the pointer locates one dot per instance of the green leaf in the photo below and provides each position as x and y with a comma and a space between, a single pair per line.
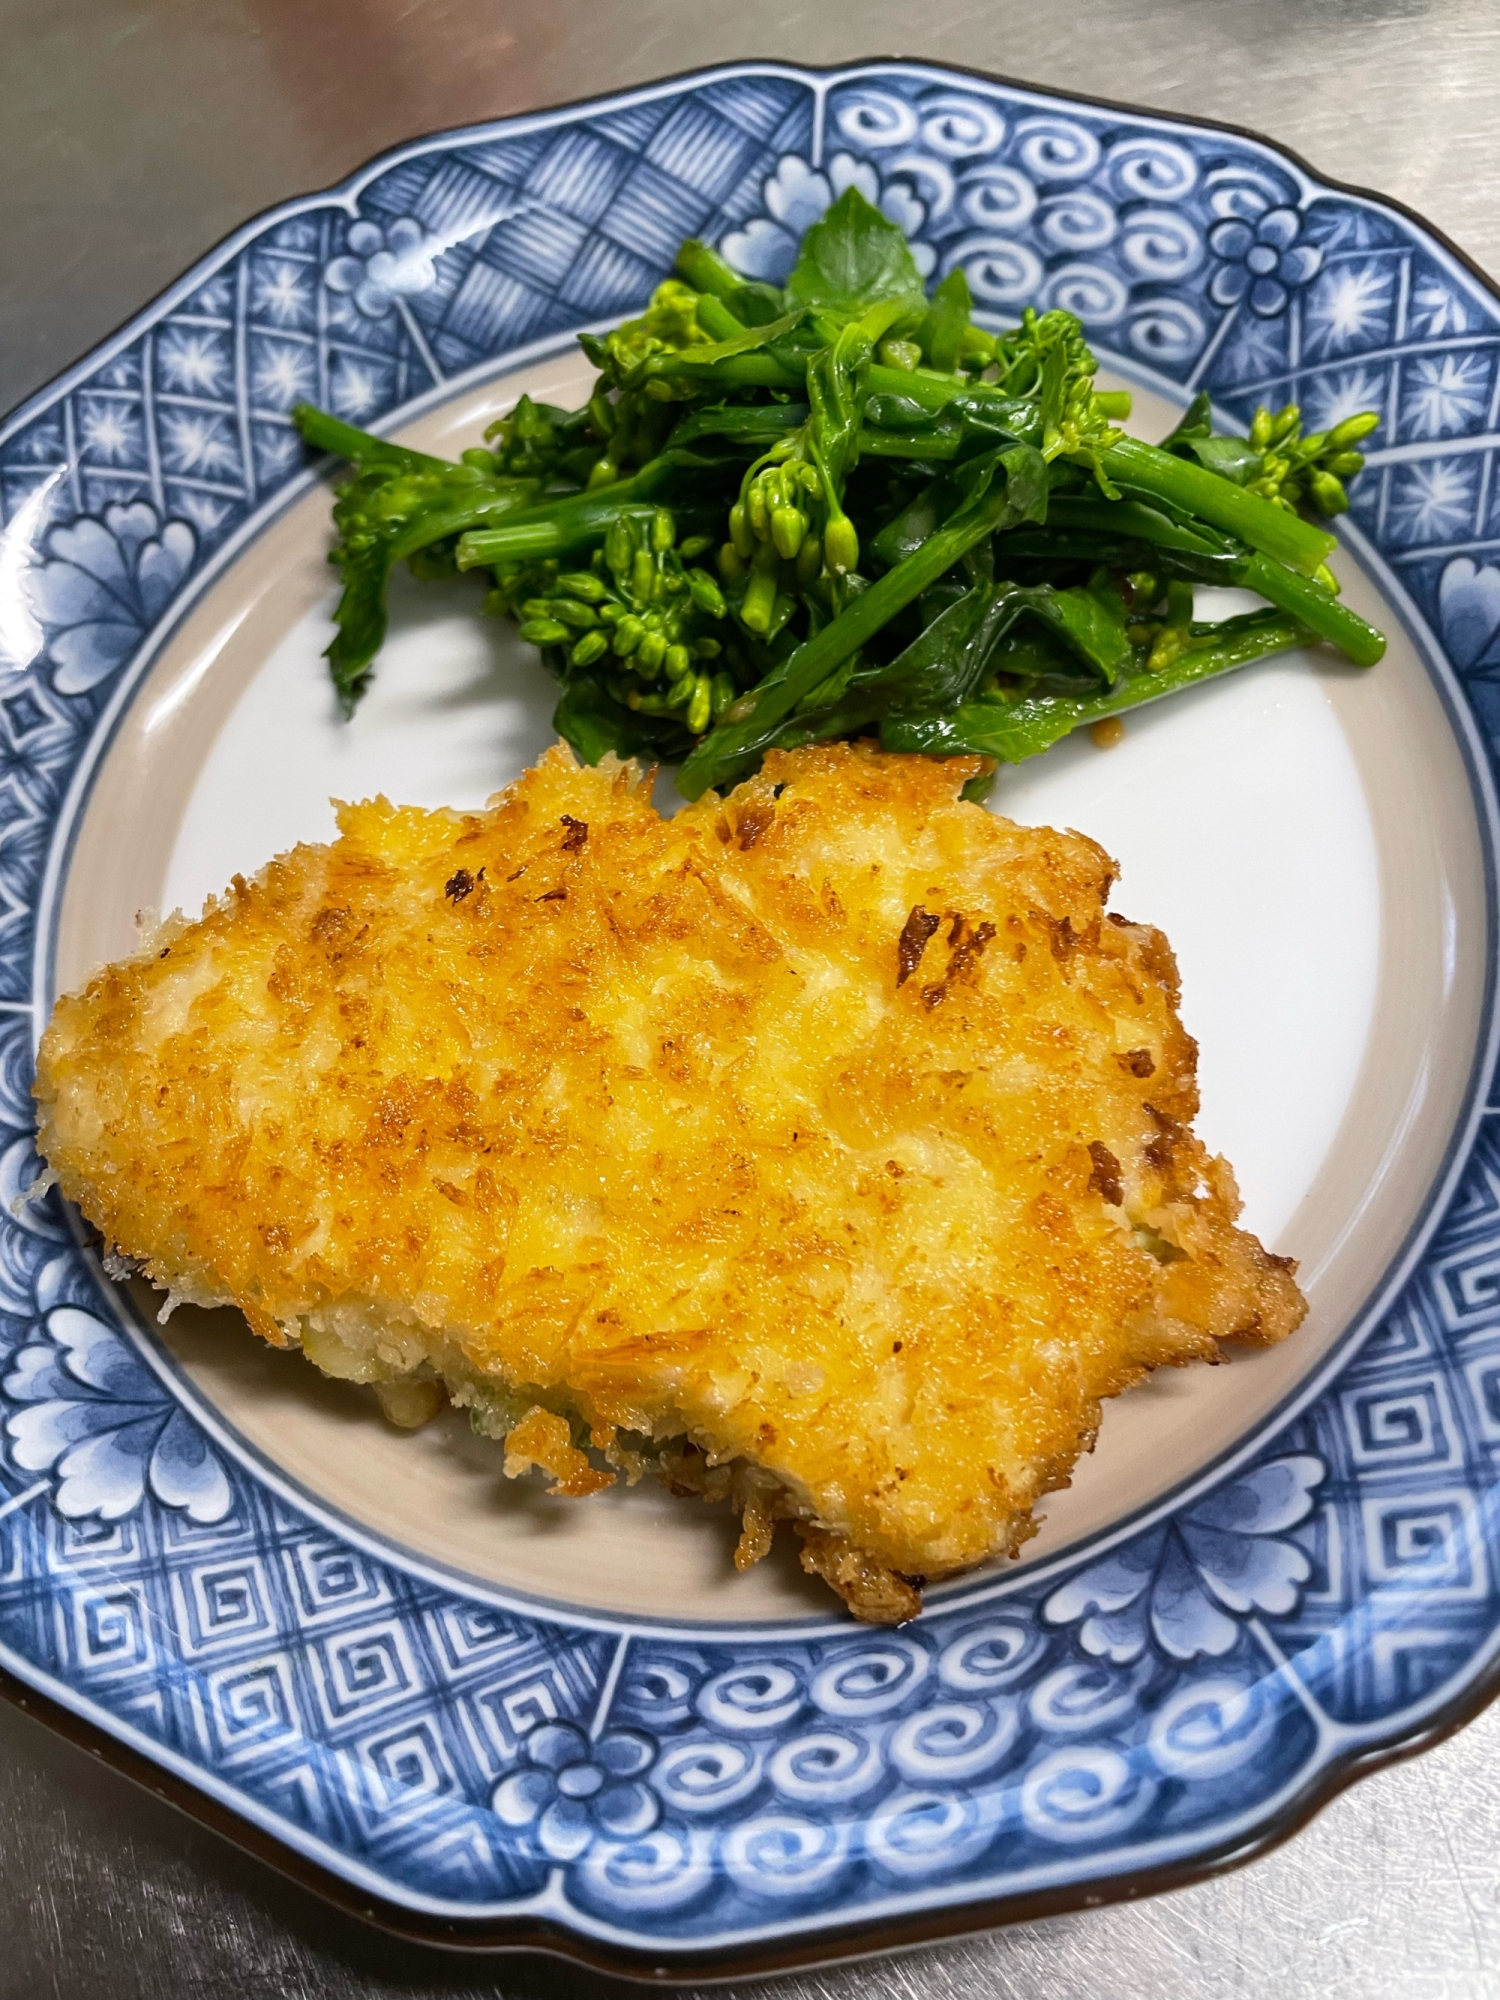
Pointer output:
1138, 521
755, 304
1090, 622
1127, 534
906, 531
1028, 653
852, 258
943, 499
1196, 421
770, 356
945, 664
946, 321
747, 342
946, 661
752, 427
1231, 457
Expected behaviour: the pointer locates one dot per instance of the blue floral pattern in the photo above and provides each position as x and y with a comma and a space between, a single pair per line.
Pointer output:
1158, 1692
569, 1789
382, 265
1262, 259
91, 1414
797, 195
104, 584
1185, 1584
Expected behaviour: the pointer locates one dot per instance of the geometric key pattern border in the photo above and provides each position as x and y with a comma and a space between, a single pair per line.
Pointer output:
1163, 1694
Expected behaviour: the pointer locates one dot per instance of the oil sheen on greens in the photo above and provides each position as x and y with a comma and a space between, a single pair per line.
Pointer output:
842, 508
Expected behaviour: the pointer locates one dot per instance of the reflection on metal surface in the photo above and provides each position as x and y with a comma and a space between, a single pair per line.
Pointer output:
372, 1711
21, 635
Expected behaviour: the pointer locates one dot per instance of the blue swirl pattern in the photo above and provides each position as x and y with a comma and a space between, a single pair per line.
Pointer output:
1164, 1689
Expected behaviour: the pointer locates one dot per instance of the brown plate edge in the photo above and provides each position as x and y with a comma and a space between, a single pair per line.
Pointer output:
839, 1944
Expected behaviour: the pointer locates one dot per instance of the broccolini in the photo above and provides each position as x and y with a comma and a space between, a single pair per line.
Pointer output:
843, 508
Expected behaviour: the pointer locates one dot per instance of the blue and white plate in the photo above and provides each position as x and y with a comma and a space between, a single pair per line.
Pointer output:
490, 1717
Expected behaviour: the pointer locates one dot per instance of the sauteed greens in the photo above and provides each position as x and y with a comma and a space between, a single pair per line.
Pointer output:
843, 508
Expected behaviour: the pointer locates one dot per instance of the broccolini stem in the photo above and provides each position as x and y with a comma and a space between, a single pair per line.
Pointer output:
1017, 730
328, 433
1132, 519
559, 527
715, 318
439, 524
922, 385
928, 445
1272, 530
1316, 607
1254, 521
706, 271
758, 369
1254, 637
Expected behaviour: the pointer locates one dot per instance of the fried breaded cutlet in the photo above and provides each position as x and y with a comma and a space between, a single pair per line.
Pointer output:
824, 1149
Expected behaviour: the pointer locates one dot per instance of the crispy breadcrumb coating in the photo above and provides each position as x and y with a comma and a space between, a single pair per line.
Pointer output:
824, 1149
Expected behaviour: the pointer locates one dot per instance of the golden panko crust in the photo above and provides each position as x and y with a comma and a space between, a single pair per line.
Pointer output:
825, 1148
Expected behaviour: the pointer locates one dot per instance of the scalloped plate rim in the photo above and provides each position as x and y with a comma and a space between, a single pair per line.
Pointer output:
1450, 1704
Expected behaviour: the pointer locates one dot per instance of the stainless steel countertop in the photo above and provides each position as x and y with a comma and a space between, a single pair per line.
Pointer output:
135, 136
